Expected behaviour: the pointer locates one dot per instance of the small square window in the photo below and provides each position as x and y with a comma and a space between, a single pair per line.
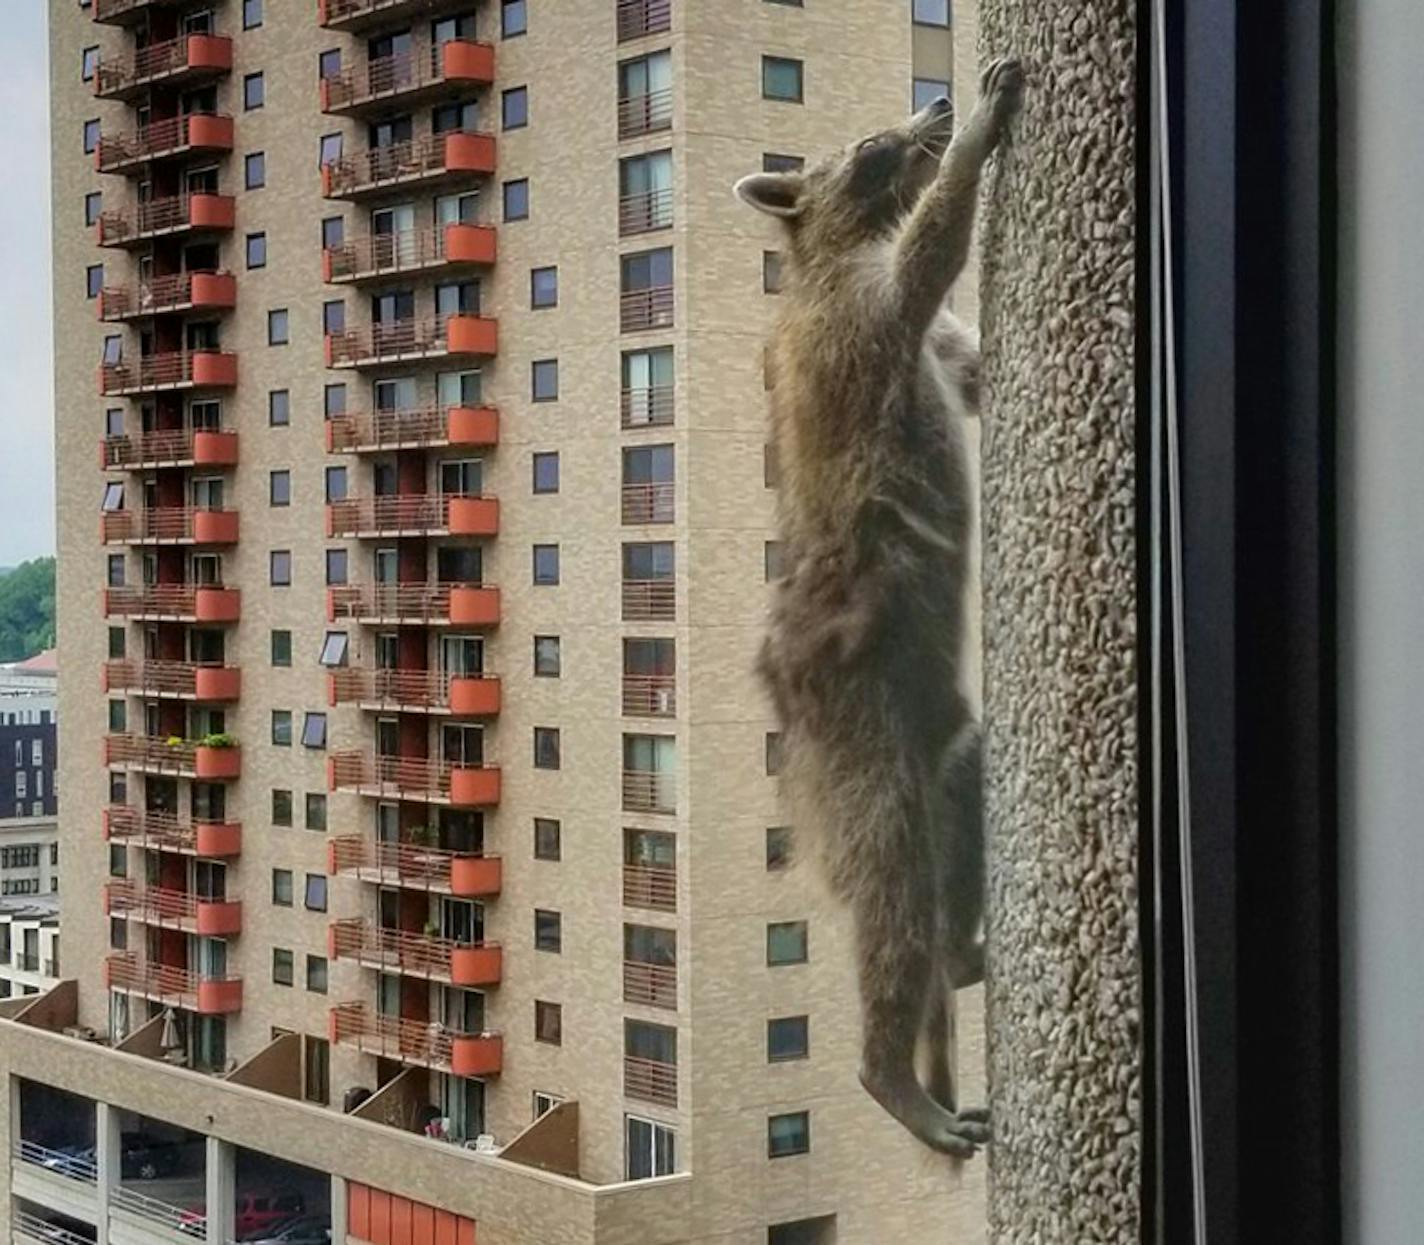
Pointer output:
282, 887
281, 807
514, 108
334, 649
548, 838
516, 200
281, 966
254, 170
788, 1134
786, 943
513, 18
257, 250
251, 14
924, 91
333, 232
546, 471
282, 728
547, 658
548, 1023
316, 973
315, 897
88, 63
93, 280
277, 327
546, 747
544, 380
930, 12
548, 930
316, 811
329, 149
774, 560
771, 272
787, 1038
93, 207
279, 489
777, 162
546, 564
91, 135
328, 63
253, 91
544, 287
778, 847
281, 648
775, 753
781, 79
280, 568
336, 566
333, 317
314, 730
334, 400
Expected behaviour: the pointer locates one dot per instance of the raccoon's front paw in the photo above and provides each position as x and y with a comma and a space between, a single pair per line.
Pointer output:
1002, 87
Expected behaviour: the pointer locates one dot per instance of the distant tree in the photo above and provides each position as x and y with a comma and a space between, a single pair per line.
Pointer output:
27, 609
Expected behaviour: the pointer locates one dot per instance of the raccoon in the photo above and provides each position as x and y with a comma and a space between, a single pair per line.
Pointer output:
863, 657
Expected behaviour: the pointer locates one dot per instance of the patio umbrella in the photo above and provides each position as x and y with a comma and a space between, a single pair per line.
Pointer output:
168, 1040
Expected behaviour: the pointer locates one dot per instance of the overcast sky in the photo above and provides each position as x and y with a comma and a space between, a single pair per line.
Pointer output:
26, 389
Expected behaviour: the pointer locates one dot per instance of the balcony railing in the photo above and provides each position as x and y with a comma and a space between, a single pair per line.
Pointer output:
645, 114
637, 18
397, 340
159, 755
173, 136
649, 695
415, 955
186, 680
426, 73
35, 1227
380, 255
179, 987
171, 447
423, 1042
650, 886
643, 213
166, 832
648, 503
127, 11
359, 14
187, 58
179, 1219
649, 791
456, 154
190, 525
415, 866
417, 691
157, 905
649, 600
413, 514
414, 605
180, 369
650, 1080
178, 291
641, 310
466, 785
421, 428
650, 985
71, 1165
646, 408
129, 227
204, 603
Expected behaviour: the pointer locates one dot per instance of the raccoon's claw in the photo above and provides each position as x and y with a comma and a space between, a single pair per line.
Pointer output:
1002, 85
959, 1133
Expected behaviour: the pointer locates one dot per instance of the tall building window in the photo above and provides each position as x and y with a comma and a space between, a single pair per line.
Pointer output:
546, 565
781, 79
280, 568
650, 1149
544, 380
514, 108
513, 18
314, 730
328, 63
280, 488
282, 728
778, 847
516, 199
257, 250
547, 748
547, 657
336, 566
251, 14
548, 1023
786, 943
93, 280
930, 12
775, 753
281, 807
543, 287
924, 91
317, 1071
788, 1134
548, 838
279, 408
281, 966
787, 1038
253, 91
775, 162
548, 930
88, 63
316, 973
254, 170
316, 811
771, 272
282, 887
333, 317
281, 648
546, 471
277, 327
333, 232
91, 134
328, 150
93, 207
315, 896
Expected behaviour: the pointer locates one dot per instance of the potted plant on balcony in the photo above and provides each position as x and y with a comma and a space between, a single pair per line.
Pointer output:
217, 756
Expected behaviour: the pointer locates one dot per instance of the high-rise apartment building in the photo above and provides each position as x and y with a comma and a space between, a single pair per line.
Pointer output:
418, 786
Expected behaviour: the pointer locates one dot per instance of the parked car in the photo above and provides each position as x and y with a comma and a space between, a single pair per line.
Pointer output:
258, 1213
147, 1158
300, 1230
77, 1160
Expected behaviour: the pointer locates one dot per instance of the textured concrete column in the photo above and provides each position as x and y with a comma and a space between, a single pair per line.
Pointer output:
221, 1169
1059, 668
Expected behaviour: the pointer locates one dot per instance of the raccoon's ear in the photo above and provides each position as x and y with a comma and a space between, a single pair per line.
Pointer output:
777, 194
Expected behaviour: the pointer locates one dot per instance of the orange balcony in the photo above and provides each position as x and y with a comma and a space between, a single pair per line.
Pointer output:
179, 291
649, 791
642, 310
197, 213
163, 832
650, 1080
649, 695
415, 955
644, 213
650, 985
169, 139
381, 255
441, 71
176, 447
415, 605
176, 680
650, 886
648, 407
157, 905
413, 514
363, 14
645, 114
426, 1043
404, 340
191, 603
414, 866
152, 754
177, 987
180, 369
379, 432
649, 503
649, 600
458, 156
425, 779
169, 525
184, 61
637, 18
417, 691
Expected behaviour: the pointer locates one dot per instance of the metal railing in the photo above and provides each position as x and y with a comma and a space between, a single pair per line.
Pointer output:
161, 831
390, 75
172, 134
393, 512
650, 791
147, 63
648, 503
178, 985
415, 157
71, 1165
397, 338
166, 293
158, 678
646, 408
645, 114
26, 1223
650, 985
637, 18
410, 864
152, 752
642, 213
170, 447
105, 10
650, 1080
426, 689
189, 1222
123, 224
424, 1042
650, 886
153, 903
649, 695
169, 600
395, 774
396, 950
640, 310
153, 371
159, 523
649, 600
388, 253
392, 602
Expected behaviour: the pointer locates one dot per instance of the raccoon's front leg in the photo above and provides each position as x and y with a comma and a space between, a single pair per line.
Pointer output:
934, 244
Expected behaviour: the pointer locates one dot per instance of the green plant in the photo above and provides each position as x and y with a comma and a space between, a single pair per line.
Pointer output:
175, 741
218, 739
424, 836
432, 929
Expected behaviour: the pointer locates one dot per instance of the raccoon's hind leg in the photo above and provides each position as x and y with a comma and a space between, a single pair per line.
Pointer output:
938, 1038
963, 885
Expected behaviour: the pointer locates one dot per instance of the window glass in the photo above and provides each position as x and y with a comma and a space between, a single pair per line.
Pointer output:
787, 1038
251, 14
513, 18
548, 835
280, 569
548, 930
544, 287
781, 78
314, 730
546, 748
545, 380
280, 488
334, 648
93, 280
788, 1134
282, 887
281, 807
281, 648
277, 327
547, 658
514, 108
925, 91
253, 91
254, 170
546, 564
315, 898
279, 408
281, 966
786, 942
282, 727
548, 1022
329, 150
930, 12
516, 200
